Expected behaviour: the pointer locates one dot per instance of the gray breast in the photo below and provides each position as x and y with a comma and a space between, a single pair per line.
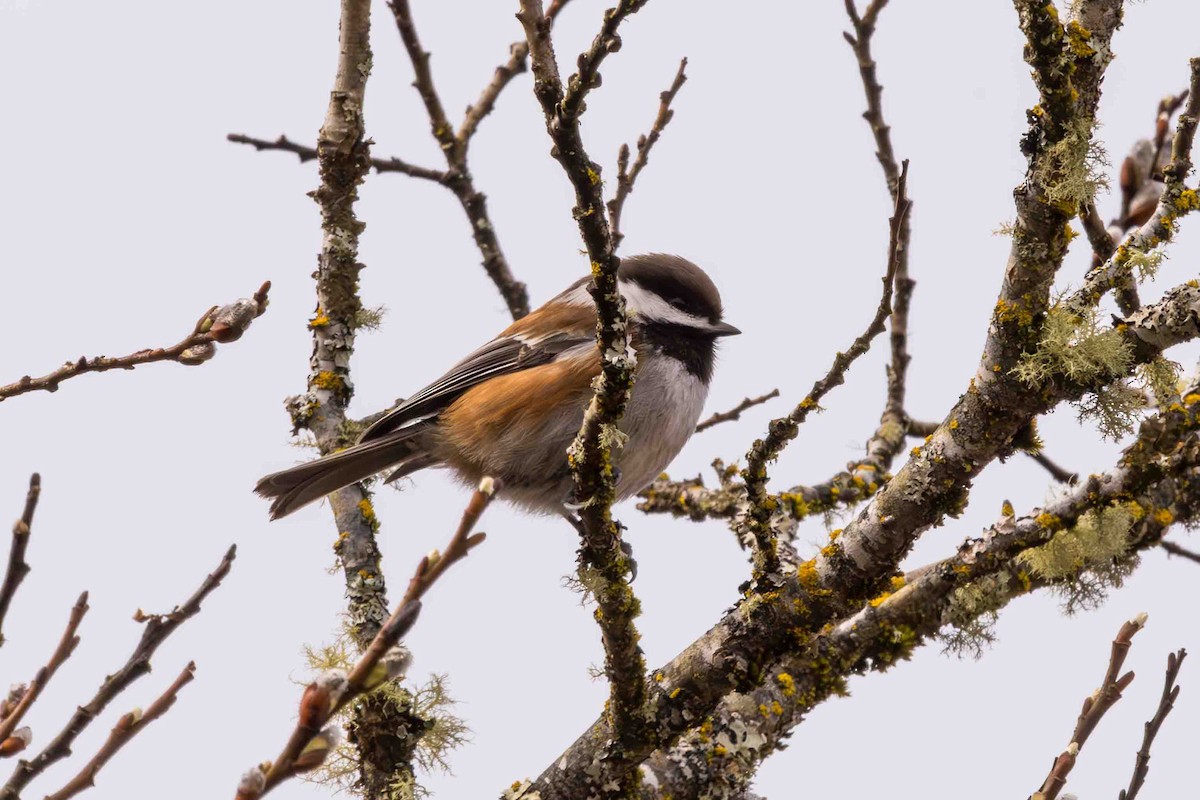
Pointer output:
663, 409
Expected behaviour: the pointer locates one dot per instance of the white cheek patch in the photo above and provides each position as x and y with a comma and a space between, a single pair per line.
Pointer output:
651, 306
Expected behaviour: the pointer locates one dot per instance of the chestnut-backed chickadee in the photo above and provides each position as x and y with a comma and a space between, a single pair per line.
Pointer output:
511, 409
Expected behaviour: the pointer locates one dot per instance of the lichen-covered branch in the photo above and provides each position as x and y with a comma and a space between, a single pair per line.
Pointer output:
17, 567
1142, 248
627, 175
758, 527
604, 565
158, 627
1166, 703
1101, 526
763, 628
383, 660
217, 325
128, 726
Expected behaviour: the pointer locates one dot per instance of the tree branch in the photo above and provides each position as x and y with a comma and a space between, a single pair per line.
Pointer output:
66, 646
305, 153
1175, 550
1094, 708
128, 726
17, 567
217, 325
518, 53
735, 413
758, 528
382, 660
604, 565
1170, 693
157, 628
626, 176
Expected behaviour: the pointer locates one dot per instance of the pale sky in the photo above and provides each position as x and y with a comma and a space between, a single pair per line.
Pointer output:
126, 214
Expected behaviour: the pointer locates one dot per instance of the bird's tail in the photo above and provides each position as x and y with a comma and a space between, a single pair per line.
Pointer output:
297, 487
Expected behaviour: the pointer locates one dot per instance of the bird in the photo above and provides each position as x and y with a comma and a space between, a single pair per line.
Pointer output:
510, 409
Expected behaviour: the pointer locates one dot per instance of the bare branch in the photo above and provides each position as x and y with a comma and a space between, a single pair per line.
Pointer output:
1165, 703
1170, 693
66, 646
518, 53
17, 567
627, 176
311, 740
458, 174
1094, 708
157, 628
735, 413
1175, 550
306, 153
128, 726
217, 325
784, 430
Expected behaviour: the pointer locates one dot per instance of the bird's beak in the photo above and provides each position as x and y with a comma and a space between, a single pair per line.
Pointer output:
724, 329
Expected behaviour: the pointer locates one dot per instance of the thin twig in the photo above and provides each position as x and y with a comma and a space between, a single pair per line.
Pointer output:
379, 662
735, 413
157, 628
1170, 693
1175, 550
1094, 708
17, 567
305, 153
66, 646
518, 53
217, 325
785, 429
626, 176
128, 726
458, 174
1058, 473
1162, 224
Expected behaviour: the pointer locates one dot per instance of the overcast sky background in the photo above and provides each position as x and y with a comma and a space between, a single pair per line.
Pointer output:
126, 214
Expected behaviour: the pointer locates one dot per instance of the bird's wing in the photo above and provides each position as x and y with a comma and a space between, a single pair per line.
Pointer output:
501, 356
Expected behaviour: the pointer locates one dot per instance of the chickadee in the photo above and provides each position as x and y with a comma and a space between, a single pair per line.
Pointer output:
512, 408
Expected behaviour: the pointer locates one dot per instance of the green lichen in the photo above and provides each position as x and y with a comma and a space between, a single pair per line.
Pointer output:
1146, 262
1088, 558
369, 319
1161, 377
1072, 169
1074, 346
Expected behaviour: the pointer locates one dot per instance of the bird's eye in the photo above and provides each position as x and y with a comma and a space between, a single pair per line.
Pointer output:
677, 302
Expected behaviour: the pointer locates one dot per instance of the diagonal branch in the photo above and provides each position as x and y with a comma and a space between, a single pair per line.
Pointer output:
217, 325
1166, 703
458, 178
1094, 708
17, 567
735, 413
128, 726
514, 66
782, 431
158, 627
313, 738
66, 646
626, 175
